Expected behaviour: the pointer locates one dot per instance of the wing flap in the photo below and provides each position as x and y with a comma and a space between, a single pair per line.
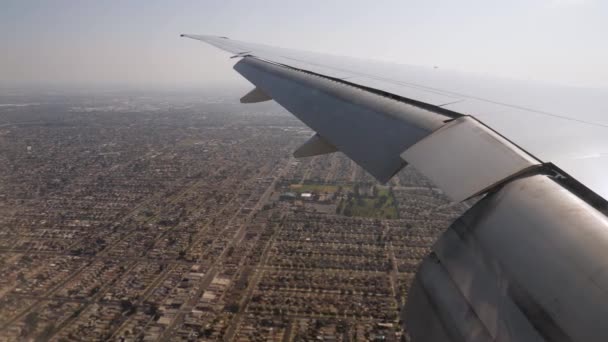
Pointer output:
445, 158
371, 129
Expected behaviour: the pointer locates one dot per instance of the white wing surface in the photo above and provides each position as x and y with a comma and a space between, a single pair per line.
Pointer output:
560, 125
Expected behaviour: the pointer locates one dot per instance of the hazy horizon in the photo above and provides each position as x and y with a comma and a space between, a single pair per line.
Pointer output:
137, 43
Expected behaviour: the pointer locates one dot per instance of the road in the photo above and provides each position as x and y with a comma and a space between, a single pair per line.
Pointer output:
214, 269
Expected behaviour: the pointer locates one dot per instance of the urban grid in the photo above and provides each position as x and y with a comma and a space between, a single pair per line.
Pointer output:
182, 216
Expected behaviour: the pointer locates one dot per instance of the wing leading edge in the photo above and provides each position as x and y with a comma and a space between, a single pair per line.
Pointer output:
526, 262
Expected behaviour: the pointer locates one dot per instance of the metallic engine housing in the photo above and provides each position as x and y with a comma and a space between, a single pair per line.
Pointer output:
526, 263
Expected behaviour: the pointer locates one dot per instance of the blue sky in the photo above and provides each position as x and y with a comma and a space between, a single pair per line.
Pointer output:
137, 42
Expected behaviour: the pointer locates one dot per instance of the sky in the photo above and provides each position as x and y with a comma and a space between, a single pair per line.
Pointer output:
92, 42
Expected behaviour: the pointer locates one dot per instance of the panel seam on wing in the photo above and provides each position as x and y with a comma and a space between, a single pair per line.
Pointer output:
422, 105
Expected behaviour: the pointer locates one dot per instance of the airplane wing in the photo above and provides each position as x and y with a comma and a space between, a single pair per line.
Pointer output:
525, 263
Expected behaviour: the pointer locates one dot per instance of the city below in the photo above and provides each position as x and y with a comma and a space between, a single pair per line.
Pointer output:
182, 216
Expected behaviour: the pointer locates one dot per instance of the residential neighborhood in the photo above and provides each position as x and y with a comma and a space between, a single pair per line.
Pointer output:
129, 219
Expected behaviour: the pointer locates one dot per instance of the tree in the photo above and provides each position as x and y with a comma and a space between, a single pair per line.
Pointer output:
31, 320
233, 308
127, 307
93, 291
47, 333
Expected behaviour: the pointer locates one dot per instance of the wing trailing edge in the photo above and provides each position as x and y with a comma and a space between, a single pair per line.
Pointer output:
383, 134
372, 130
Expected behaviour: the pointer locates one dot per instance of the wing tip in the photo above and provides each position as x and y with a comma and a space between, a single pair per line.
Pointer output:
199, 37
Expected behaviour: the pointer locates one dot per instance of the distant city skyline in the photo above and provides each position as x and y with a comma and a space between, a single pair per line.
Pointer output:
137, 42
